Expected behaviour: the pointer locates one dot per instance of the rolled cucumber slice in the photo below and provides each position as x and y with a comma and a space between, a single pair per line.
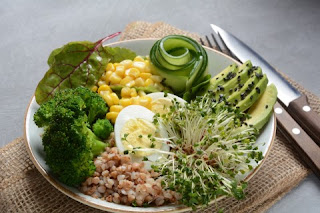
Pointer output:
181, 61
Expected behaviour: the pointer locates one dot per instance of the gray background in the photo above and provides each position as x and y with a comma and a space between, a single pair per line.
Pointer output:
285, 32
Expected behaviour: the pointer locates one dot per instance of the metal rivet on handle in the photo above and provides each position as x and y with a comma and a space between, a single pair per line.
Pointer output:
296, 131
278, 110
306, 108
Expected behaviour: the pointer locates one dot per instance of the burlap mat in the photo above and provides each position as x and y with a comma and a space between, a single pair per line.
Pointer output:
23, 189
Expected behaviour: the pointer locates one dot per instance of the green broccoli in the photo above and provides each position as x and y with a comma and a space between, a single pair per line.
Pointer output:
91, 104
102, 128
96, 106
69, 143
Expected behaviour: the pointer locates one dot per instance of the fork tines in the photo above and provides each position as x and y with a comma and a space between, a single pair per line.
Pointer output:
220, 46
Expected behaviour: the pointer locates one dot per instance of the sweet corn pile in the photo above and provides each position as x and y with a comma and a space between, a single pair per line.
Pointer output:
129, 74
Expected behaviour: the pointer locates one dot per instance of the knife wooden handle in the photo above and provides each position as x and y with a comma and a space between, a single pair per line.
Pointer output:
308, 119
308, 150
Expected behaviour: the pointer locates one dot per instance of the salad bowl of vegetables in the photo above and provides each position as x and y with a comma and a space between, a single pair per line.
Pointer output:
149, 125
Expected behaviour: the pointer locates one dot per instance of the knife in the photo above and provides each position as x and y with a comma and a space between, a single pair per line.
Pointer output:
295, 102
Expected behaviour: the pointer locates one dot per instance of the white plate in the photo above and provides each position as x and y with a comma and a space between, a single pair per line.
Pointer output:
217, 62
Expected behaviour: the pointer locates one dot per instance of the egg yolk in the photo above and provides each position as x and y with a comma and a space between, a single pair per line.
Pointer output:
141, 133
161, 105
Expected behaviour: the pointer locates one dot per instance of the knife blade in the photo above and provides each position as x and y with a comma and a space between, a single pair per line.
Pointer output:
296, 103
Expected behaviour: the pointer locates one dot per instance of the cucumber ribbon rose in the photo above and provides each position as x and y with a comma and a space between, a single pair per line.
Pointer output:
182, 62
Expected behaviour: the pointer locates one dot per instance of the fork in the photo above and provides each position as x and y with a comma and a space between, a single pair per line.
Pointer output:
219, 47
308, 150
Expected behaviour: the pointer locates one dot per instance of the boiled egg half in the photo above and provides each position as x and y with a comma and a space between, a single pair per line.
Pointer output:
137, 135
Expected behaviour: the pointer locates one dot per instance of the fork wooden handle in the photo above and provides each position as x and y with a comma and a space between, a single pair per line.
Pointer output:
308, 119
307, 149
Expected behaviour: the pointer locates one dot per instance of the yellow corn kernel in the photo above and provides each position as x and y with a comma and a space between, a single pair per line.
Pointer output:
108, 74
133, 92
147, 98
145, 76
125, 102
116, 64
156, 78
94, 89
104, 88
112, 116
100, 83
125, 92
139, 82
148, 66
145, 101
130, 83
159, 86
115, 98
114, 78
148, 82
116, 108
120, 71
126, 80
133, 72
139, 65
141, 93
106, 96
110, 67
138, 58
135, 100
126, 63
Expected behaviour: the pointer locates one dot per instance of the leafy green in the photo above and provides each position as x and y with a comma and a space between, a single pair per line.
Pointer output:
53, 54
76, 64
118, 54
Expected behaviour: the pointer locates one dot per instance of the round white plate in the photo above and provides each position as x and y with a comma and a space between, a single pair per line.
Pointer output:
217, 62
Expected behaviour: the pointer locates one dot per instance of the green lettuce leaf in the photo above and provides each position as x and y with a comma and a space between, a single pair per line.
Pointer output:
78, 64
118, 54
53, 54
75, 64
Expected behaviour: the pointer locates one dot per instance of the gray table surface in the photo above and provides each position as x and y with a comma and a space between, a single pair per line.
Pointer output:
285, 32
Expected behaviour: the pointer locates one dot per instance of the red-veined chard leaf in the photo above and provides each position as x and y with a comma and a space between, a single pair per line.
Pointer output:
119, 54
73, 65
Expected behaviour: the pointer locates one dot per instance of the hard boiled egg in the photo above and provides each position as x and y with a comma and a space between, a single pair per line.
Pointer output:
135, 131
161, 101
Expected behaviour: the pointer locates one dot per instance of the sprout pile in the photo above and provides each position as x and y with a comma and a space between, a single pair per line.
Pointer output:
212, 145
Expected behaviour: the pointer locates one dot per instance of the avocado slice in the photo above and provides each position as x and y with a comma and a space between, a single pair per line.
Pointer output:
240, 92
227, 87
253, 95
225, 75
262, 109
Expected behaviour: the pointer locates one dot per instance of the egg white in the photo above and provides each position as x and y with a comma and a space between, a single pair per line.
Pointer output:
157, 95
132, 112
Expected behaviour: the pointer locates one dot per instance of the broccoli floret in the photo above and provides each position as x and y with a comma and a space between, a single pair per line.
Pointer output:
102, 128
80, 100
95, 106
69, 143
